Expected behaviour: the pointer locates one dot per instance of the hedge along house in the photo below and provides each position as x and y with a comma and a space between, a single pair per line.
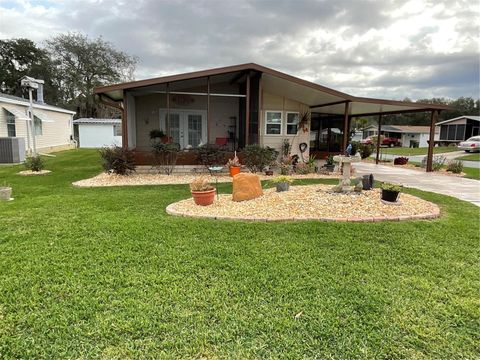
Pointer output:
240, 105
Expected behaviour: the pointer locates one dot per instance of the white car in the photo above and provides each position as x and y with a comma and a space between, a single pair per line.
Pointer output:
470, 145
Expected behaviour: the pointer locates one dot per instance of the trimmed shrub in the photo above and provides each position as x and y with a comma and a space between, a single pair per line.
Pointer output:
365, 150
257, 158
455, 166
400, 160
34, 163
438, 162
165, 156
118, 160
355, 145
211, 154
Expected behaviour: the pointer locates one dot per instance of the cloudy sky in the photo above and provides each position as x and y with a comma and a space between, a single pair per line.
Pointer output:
385, 48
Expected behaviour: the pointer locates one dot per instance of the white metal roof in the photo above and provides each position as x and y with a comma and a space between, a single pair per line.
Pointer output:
97, 121
15, 100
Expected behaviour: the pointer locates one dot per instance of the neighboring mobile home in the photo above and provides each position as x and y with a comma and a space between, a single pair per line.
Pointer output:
95, 133
53, 126
459, 129
407, 134
240, 105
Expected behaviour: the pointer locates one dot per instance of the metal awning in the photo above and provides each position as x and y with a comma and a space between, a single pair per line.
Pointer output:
42, 116
17, 113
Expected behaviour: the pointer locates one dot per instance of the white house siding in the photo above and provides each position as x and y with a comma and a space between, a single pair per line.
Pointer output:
56, 135
273, 102
422, 139
98, 135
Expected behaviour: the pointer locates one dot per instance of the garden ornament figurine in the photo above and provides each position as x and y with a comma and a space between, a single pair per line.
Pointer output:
348, 150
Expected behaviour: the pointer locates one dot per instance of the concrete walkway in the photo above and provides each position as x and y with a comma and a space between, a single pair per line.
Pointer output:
461, 188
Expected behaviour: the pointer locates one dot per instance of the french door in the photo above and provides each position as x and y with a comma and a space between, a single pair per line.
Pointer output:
188, 128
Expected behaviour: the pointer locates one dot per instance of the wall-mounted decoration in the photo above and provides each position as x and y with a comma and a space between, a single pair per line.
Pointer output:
182, 99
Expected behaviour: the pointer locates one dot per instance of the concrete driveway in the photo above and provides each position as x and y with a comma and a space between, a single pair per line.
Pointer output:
418, 158
461, 188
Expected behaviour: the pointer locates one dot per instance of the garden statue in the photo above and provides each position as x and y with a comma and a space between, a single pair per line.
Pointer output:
348, 150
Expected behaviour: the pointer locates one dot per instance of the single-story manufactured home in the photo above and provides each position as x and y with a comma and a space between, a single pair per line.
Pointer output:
459, 129
243, 104
53, 126
96, 133
407, 134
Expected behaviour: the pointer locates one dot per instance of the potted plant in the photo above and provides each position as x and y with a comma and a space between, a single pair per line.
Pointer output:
157, 135
330, 164
234, 165
5, 193
203, 192
390, 192
282, 182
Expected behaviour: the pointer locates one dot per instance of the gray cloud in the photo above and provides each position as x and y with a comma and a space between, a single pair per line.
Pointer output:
351, 45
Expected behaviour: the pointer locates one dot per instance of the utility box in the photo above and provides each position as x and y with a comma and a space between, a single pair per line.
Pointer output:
12, 150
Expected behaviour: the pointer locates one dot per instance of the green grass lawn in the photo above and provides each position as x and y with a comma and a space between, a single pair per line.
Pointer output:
472, 173
470, 157
106, 273
416, 151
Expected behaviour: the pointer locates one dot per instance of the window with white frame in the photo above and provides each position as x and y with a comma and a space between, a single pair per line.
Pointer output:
37, 126
11, 129
273, 122
117, 130
293, 118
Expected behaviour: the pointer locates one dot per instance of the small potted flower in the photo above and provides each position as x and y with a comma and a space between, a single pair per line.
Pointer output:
203, 192
5, 193
158, 136
234, 165
330, 164
390, 192
282, 182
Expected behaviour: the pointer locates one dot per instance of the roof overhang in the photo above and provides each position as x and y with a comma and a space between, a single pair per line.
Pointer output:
319, 98
36, 106
17, 113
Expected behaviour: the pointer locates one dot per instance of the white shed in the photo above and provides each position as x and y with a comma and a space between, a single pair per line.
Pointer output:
96, 133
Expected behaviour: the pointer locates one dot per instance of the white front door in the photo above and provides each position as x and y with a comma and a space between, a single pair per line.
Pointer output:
188, 128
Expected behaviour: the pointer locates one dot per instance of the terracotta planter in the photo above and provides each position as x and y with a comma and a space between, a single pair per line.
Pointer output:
389, 195
234, 170
204, 198
5, 193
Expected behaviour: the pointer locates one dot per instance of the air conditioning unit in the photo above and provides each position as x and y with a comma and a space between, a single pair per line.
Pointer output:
12, 150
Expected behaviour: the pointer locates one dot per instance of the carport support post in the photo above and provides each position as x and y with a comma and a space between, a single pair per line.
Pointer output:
247, 110
209, 117
431, 140
377, 156
346, 126
125, 121
167, 120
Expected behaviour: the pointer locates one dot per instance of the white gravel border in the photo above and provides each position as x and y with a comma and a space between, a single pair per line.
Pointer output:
301, 202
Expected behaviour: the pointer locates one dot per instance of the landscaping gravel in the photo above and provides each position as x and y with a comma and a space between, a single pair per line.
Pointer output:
105, 179
310, 202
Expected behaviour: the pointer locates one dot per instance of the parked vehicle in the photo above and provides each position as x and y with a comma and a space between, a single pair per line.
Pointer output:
388, 141
470, 145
